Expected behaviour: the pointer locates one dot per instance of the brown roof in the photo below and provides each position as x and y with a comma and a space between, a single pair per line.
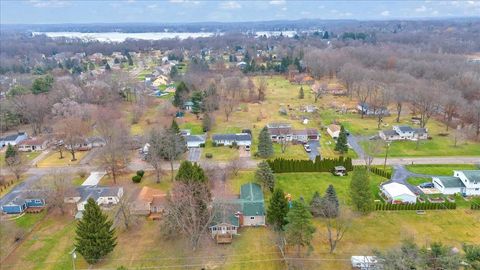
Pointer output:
334, 127
148, 194
312, 131
159, 200
33, 141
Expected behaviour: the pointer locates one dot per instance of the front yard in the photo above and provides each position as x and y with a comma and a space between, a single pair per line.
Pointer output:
53, 159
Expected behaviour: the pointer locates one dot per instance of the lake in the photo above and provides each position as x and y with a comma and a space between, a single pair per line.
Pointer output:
119, 36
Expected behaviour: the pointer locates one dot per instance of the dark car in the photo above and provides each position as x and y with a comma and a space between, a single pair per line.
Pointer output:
427, 185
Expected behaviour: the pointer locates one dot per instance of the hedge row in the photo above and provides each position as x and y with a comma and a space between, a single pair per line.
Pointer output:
475, 206
415, 206
377, 171
281, 165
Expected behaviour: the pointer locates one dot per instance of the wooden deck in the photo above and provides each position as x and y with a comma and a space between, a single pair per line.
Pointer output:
223, 238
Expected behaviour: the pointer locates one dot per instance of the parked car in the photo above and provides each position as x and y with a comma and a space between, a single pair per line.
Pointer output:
307, 148
247, 147
427, 185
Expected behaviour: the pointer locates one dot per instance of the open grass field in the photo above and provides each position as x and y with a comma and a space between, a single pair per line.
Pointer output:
446, 169
53, 160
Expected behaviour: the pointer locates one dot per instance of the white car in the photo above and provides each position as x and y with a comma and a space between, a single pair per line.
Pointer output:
307, 148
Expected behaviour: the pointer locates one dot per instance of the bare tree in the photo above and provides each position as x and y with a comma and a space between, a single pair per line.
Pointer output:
123, 212
321, 90
173, 145
372, 149
379, 100
451, 102
17, 165
425, 101
155, 153
262, 88
56, 186
34, 108
235, 165
363, 91
229, 104
73, 130
114, 156
187, 212
336, 228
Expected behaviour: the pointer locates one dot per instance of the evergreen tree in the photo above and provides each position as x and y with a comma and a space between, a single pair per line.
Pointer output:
173, 72
174, 127
277, 210
316, 204
265, 146
206, 122
95, 235
107, 67
326, 35
264, 175
330, 203
190, 172
11, 152
181, 95
197, 98
301, 94
341, 145
299, 229
360, 192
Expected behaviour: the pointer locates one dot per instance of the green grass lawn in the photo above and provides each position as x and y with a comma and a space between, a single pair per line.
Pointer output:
194, 127
219, 152
53, 160
27, 221
435, 169
29, 156
438, 146
418, 180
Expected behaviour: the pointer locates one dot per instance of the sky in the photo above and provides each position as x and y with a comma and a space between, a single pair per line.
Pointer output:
184, 11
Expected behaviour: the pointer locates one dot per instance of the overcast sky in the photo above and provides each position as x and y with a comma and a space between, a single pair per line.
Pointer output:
59, 11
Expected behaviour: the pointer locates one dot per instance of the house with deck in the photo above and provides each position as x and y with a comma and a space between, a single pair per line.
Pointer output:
25, 201
399, 133
149, 202
283, 131
105, 197
466, 182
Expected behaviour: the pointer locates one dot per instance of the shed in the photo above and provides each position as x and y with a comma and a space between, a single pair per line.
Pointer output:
396, 192
363, 262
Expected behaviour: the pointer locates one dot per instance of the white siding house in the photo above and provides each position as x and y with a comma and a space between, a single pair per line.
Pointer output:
396, 192
465, 182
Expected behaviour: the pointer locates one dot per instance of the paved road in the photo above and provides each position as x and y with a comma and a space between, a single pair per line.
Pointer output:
315, 146
194, 154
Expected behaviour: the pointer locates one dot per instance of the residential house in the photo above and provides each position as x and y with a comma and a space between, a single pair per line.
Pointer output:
369, 110
23, 202
89, 143
398, 193
253, 205
310, 108
334, 131
465, 182
33, 144
103, 196
404, 133
225, 222
188, 105
13, 139
241, 139
284, 131
149, 202
195, 141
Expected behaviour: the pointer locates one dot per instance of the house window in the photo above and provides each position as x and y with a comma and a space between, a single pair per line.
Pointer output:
252, 217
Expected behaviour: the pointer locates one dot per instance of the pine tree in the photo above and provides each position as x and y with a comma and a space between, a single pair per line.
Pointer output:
316, 204
107, 67
11, 152
181, 94
190, 172
174, 127
265, 146
197, 98
341, 145
301, 94
264, 175
326, 35
277, 210
360, 192
299, 229
95, 235
330, 203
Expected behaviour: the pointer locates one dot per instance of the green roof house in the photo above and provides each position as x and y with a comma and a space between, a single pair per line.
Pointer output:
465, 182
253, 205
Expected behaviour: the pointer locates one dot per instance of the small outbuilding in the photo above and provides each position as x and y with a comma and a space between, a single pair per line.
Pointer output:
334, 131
339, 171
363, 262
398, 193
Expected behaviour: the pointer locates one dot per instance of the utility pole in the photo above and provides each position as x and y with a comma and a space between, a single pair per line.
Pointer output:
386, 155
74, 256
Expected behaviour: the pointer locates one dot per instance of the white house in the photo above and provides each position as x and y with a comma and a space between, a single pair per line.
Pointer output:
13, 139
465, 182
334, 131
241, 139
195, 141
103, 196
34, 144
283, 131
404, 133
363, 262
398, 193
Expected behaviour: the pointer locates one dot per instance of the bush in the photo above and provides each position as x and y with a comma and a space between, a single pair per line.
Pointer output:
82, 173
140, 173
214, 144
208, 155
136, 178
202, 145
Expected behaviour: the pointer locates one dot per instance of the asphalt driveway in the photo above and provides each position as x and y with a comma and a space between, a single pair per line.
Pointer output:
194, 154
315, 146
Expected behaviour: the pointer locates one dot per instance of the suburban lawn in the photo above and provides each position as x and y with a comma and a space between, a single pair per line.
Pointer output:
418, 180
446, 169
219, 152
29, 156
53, 160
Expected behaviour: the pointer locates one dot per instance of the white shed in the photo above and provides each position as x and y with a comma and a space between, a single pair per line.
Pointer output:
396, 192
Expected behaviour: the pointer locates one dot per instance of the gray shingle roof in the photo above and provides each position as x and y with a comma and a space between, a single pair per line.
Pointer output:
405, 129
232, 137
96, 192
195, 138
450, 181
472, 175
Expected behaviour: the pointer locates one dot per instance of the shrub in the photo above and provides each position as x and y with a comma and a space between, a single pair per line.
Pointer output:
208, 155
82, 173
202, 145
214, 144
136, 178
140, 173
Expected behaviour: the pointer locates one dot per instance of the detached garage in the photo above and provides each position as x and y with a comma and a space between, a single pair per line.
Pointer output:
398, 193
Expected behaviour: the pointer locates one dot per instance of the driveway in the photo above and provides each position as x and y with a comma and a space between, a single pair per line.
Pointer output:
353, 141
401, 174
194, 154
315, 146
